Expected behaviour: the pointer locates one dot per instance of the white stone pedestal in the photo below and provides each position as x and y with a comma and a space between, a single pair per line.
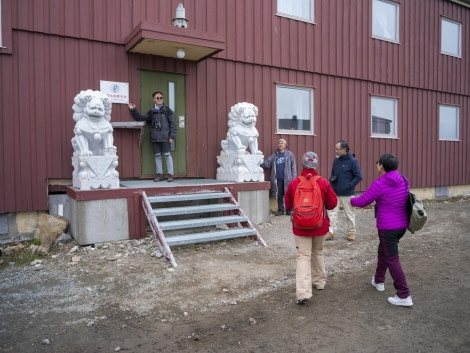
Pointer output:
95, 172
240, 168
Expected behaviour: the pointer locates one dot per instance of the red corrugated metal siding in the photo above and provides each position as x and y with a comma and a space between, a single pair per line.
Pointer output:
60, 47
342, 111
256, 35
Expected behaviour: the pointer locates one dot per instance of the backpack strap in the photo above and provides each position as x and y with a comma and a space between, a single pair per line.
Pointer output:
407, 185
315, 179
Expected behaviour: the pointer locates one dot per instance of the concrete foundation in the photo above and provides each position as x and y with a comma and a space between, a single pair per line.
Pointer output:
99, 221
255, 204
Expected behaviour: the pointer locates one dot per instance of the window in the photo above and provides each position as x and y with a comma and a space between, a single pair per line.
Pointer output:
298, 9
451, 37
384, 117
294, 110
5, 27
448, 122
385, 20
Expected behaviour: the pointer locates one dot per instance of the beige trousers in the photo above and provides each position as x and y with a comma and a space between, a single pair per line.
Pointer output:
348, 211
310, 265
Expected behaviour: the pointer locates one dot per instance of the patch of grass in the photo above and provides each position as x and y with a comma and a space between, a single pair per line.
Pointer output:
33, 241
22, 257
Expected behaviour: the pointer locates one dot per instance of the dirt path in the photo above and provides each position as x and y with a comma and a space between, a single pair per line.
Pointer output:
237, 296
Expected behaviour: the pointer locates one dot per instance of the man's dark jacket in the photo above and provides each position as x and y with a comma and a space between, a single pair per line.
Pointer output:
346, 169
162, 122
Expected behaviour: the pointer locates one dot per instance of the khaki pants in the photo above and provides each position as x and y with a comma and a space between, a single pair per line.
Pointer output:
310, 265
348, 211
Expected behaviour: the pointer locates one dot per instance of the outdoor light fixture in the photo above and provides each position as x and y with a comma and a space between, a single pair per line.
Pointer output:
180, 53
180, 18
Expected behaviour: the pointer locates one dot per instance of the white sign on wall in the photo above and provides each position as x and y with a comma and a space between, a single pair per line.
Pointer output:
118, 92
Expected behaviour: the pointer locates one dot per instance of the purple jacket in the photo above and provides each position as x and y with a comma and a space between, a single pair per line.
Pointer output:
389, 193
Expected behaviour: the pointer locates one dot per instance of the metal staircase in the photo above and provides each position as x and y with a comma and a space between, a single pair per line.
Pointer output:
181, 219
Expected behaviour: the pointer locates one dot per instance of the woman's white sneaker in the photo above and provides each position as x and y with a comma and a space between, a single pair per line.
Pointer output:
379, 286
396, 300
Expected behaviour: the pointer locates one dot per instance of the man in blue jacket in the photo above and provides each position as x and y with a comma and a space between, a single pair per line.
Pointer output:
345, 175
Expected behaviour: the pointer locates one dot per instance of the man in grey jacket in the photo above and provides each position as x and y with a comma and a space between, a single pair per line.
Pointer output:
345, 175
283, 170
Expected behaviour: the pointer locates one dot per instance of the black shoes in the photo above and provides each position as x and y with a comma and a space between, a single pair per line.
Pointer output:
158, 178
302, 301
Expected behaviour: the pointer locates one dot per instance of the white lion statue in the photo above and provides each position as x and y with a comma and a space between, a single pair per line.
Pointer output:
242, 133
93, 131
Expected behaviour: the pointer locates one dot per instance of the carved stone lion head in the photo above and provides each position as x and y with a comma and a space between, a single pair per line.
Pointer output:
244, 114
91, 104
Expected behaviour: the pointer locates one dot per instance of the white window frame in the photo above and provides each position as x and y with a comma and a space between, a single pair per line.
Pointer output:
171, 104
382, 117
380, 22
448, 33
445, 118
283, 11
301, 109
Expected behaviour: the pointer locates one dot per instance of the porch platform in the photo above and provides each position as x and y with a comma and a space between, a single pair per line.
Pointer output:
103, 215
149, 183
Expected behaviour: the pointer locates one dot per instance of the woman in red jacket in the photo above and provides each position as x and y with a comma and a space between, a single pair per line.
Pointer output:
309, 243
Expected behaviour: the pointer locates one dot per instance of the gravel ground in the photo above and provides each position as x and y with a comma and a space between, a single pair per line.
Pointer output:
239, 296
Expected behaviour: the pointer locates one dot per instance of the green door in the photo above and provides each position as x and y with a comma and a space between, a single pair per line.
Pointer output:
173, 88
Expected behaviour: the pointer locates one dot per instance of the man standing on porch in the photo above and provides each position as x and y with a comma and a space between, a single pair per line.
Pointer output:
162, 133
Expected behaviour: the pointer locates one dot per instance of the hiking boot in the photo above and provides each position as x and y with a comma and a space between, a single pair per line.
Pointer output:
379, 286
158, 178
170, 178
330, 236
351, 236
396, 300
302, 301
280, 213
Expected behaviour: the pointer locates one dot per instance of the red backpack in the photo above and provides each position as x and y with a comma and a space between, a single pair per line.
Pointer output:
308, 212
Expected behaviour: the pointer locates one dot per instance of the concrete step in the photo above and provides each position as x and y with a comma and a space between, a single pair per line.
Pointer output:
184, 210
209, 236
201, 222
189, 197
186, 219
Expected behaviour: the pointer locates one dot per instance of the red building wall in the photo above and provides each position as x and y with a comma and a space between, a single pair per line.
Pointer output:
55, 48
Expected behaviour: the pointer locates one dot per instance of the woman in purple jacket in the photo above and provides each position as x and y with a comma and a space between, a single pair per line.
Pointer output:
390, 192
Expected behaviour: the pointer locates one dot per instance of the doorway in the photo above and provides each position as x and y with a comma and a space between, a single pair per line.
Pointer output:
173, 88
